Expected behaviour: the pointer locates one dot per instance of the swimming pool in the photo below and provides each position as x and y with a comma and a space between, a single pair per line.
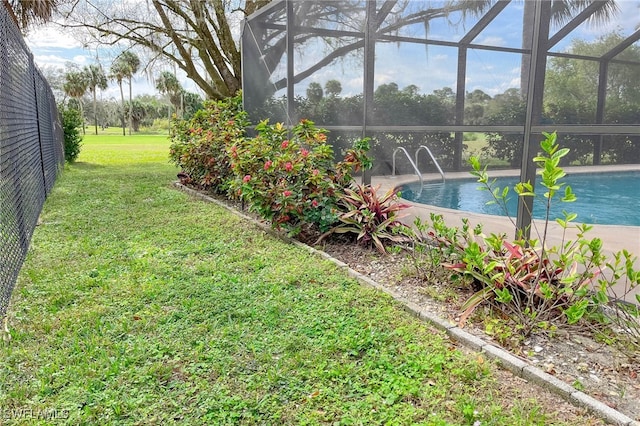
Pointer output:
603, 198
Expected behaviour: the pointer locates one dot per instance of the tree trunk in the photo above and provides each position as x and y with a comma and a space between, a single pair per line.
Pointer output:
130, 107
124, 132
95, 111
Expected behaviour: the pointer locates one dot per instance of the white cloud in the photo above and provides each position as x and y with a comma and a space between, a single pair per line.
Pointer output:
45, 61
492, 41
627, 20
51, 37
80, 60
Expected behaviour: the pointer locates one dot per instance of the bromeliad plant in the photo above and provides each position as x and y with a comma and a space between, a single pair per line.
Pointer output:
536, 286
370, 217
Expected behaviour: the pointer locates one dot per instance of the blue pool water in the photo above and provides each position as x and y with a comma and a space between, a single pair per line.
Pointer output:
603, 198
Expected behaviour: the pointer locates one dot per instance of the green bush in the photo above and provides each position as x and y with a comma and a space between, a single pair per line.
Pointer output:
199, 145
71, 124
290, 181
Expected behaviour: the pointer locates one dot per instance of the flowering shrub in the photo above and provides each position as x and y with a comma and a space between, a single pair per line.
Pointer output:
199, 145
290, 181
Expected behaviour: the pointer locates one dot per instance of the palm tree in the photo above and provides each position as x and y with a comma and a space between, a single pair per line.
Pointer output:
168, 84
118, 73
131, 63
126, 65
76, 85
27, 12
97, 80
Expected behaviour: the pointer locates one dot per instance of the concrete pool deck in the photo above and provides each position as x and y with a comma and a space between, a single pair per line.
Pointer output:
614, 237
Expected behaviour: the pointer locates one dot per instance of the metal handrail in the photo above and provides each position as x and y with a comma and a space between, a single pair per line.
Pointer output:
413, 164
432, 158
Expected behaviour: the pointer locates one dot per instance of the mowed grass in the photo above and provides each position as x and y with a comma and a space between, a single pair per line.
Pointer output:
139, 305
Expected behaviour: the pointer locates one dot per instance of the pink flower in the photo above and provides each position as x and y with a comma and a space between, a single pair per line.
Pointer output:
315, 172
314, 203
267, 164
284, 144
246, 179
287, 193
304, 152
288, 166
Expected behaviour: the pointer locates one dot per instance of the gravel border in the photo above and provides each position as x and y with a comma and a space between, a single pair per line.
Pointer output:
503, 358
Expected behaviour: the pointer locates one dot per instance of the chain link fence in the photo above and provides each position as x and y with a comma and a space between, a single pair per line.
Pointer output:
31, 151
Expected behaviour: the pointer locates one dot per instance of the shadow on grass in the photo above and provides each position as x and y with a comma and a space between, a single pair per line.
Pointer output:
87, 166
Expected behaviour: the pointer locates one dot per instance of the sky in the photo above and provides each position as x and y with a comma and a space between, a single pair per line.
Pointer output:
52, 47
435, 67
403, 64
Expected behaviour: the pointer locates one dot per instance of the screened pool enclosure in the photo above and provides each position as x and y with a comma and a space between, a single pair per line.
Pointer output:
452, 78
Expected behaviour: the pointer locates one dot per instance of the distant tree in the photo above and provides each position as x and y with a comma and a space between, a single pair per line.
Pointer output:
138, 113
474, 107
507, 108
97, 80
118, 72
125, 66
333, 88
192, 103
168, 85
75, 85
571, 97
131, 64
314, 92
55, 76
197, 36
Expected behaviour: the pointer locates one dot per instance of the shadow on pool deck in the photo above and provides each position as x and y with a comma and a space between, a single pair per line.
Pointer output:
614, 237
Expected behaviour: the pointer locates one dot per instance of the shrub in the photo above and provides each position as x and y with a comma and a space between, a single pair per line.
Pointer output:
199, 145
290, 181
370, 217
71, 125
432, 243
530, 283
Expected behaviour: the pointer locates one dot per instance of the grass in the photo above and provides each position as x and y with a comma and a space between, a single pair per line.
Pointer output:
139, 305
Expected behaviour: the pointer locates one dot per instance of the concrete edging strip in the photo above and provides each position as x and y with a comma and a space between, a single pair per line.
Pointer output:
503, 358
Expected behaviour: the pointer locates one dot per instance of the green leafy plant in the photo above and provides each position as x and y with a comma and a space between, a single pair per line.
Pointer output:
530, 283
71, 125
615, 294
371, 217
290, 177
431, 242
199, 145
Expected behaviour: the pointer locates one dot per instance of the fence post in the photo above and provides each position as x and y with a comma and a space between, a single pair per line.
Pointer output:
39, 124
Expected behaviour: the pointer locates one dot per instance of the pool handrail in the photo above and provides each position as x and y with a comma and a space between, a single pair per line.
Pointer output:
432, 158
415, 168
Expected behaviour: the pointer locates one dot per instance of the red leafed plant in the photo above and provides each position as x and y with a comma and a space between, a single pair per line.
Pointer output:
371, 217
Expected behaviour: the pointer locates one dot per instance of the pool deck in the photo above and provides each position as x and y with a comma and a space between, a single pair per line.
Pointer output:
614, 237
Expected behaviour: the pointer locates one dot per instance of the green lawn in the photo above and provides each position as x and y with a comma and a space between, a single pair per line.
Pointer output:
140, 305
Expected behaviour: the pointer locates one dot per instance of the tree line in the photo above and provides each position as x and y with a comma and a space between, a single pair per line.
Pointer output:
76, 87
